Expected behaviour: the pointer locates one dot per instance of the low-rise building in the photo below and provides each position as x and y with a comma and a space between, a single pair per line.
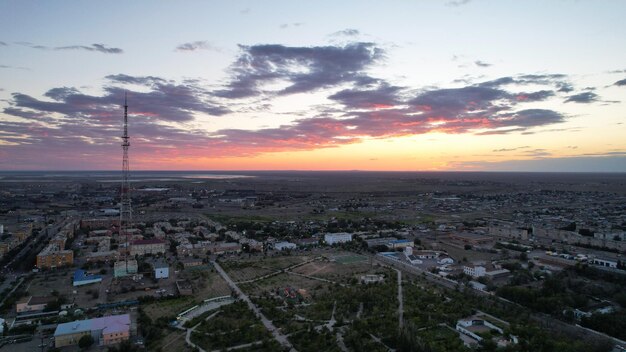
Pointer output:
33, 304
608, 263
279, 246
161, 270
124, 268
105, 331
191, 262
339, 237
82, 278
149, 246
394, 244
475, 270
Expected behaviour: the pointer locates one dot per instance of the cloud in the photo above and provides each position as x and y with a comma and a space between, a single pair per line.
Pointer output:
584, 97
287, 25
94, 47
535, 96
510, 149
600, 163
3, 44
14, 67
620, 82
166, 114
457, 3
305, 69
482, 63
102, 48
382, 96
348, 32
164, 101
195, 46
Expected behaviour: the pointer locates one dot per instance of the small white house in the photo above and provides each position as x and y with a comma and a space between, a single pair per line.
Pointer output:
279, 246
161, 271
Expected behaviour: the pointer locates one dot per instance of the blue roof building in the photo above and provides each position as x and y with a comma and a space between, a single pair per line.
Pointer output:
82, 278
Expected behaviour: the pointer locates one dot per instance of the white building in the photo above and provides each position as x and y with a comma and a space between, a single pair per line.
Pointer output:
284, 245
339, 237
609, 263
161, 271
475, 271
445, 260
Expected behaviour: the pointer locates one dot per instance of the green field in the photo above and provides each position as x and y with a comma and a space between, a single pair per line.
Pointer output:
349, 259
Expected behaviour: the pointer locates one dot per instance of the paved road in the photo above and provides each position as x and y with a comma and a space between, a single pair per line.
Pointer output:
282, 339
400, 301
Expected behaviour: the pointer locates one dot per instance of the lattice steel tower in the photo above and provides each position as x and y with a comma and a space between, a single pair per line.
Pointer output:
125, 205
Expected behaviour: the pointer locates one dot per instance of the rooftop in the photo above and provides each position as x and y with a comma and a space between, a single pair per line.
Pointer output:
108, 325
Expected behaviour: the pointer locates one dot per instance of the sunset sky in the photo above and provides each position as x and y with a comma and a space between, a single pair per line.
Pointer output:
314, 85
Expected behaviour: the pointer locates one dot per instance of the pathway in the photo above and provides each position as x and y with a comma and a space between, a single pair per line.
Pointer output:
282, 339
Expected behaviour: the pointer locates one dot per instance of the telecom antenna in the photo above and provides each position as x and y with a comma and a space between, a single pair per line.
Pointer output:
125, 205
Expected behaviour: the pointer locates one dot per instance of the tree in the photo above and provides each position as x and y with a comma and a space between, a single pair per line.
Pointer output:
85, 342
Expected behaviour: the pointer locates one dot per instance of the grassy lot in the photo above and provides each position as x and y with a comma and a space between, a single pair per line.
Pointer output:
349, 259
169, 308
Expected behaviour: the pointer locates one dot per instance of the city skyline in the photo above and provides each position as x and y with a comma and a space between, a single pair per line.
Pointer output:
398, 86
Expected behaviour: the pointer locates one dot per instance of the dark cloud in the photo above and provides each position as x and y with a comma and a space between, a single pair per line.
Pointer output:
481, 63
304, 68
620, 82
94, 47
102, 48
535, 96
140, 80
454, 100
584, 97
382, 96
3, 43
497, 82
348, 32
195, 46
164, 101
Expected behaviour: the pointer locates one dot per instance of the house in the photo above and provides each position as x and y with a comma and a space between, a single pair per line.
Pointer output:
279, 246
105, 331
149, 246
478, 325
82, 278
33, 304
339, 237
161, 270
371, 278
191, 262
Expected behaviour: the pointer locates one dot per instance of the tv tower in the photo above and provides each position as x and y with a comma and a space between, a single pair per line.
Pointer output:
125, 206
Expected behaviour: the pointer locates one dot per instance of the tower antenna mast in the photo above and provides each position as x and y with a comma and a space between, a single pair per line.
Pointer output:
125, 205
